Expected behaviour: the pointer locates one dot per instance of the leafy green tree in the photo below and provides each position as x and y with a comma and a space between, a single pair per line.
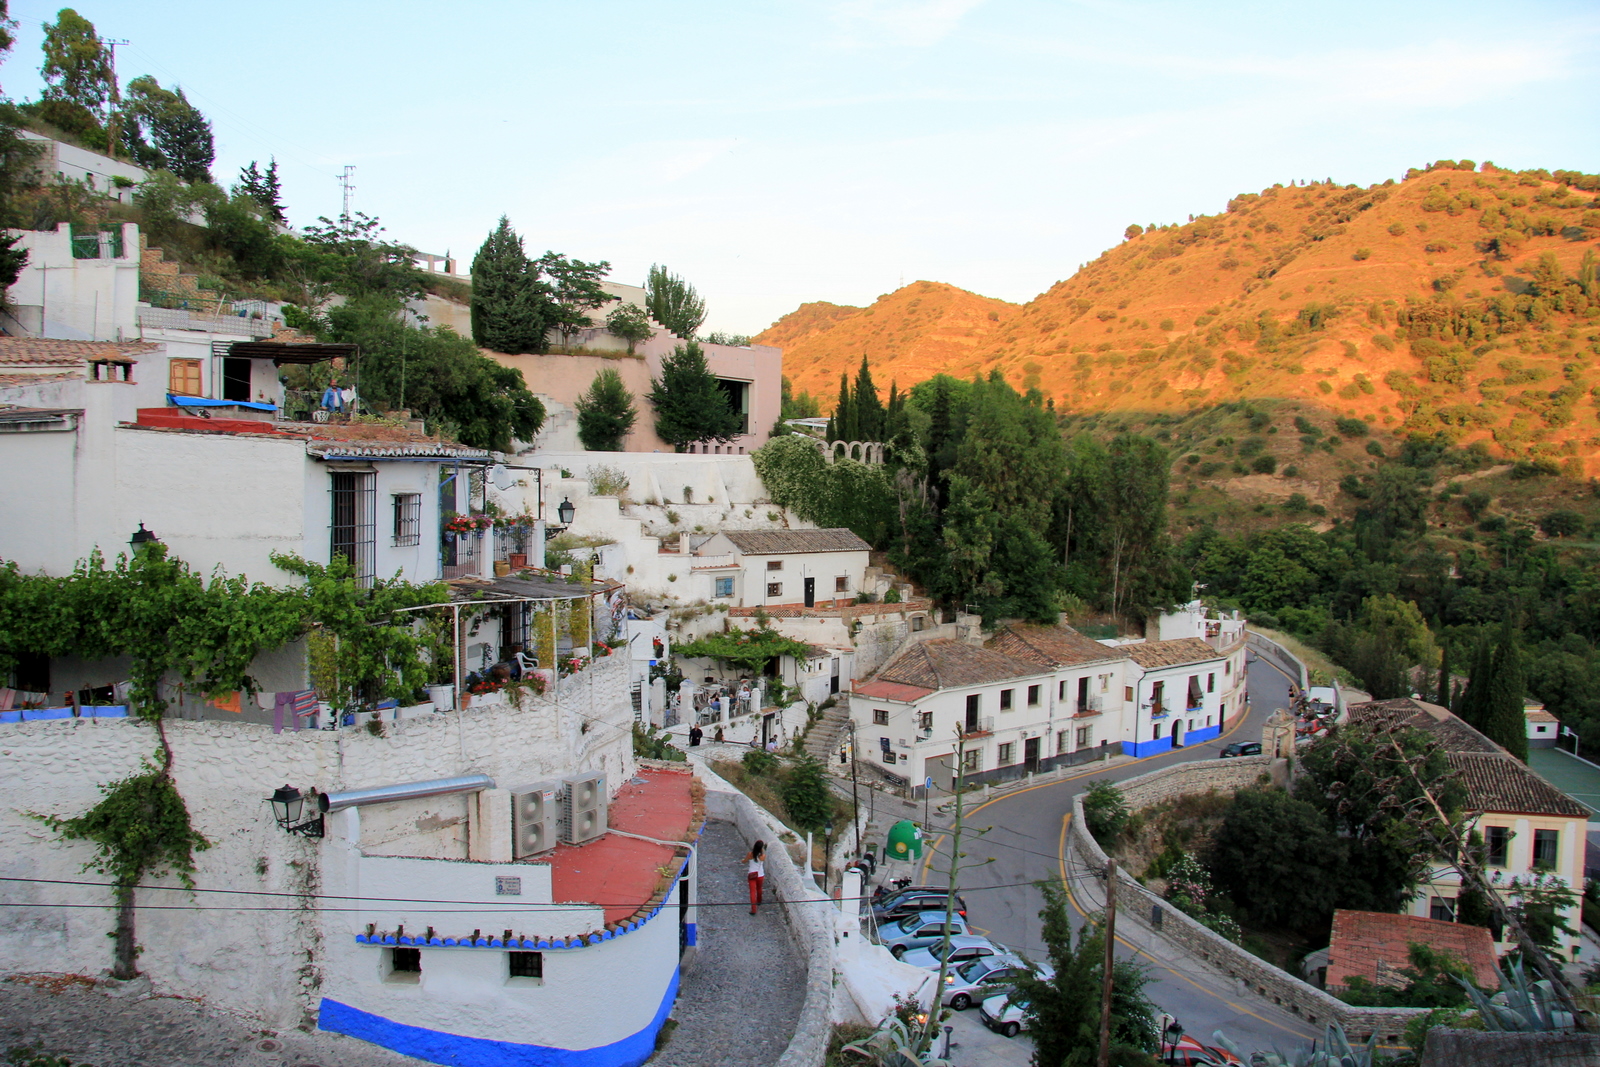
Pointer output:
673, 303
1358, 777
1434, 980
844, 493
1143, 575
690, 404
237, 226
352, 257
263, 187
806, 795
574, 291
178, 131
1105, 810
629, 322
509, 302
77, 66
8, 27
1504, 721
605, 413
1277, 858
804, 406
842, 423
1063, 1011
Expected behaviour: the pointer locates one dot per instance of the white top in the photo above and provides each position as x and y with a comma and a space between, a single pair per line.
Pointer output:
758, 867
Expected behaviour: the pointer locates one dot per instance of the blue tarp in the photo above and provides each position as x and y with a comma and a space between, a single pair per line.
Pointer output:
202, 402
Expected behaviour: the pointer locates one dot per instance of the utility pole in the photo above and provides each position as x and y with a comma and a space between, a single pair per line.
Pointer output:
344, 182
112, 100
855, 795
1104, 1059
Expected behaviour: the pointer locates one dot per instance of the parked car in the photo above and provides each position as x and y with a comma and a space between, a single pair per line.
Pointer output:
1242, 748
920, 929
985, 977
1191, 1053
962, 948
1004, 1015
912, 900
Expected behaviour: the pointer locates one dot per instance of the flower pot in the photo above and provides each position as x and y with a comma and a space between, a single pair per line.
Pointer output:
518, 560
443, 696
501, 568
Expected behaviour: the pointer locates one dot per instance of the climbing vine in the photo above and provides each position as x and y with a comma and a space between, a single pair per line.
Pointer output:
140, 829
750, 650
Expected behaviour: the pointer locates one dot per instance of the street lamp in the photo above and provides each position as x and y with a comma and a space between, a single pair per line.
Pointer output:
288, 804
827, 853
141, 537
565, 512
1173, 1034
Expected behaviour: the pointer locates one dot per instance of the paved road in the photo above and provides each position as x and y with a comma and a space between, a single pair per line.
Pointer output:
1023, 842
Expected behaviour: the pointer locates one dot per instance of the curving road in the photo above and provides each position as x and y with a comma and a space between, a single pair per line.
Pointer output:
1021, 840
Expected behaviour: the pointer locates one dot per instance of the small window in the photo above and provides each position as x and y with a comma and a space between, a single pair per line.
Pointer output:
1211, 683
880, 716
970, 761
917, 623
1005, 700
925, 720
1443, 909
774, 564
402, 965
1061, 690
1061, 742
407, 518
1033, 695
183, 377
1498, 838
1004, 758
1127, 692
526, 966
724, 586
1085, 736
1227, 666
841, 584
1546, 849
774, 588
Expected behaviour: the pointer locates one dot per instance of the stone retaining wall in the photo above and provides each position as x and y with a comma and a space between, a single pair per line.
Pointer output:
1313, 1005
810, 922
1263, 646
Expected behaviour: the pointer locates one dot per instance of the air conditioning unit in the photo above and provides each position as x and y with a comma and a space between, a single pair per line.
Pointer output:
533, 819
583, 808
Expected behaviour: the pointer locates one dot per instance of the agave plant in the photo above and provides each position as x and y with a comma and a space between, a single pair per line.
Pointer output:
1528, 1005
894, 1045
1337, 1052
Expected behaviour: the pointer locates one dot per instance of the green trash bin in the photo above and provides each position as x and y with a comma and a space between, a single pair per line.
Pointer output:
905, 841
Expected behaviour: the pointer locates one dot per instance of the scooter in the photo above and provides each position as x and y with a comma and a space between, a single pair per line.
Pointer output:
894, 885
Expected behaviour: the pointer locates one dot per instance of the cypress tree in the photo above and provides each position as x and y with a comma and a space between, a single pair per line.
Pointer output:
507, 301
844, 420
867, 408
1444, 675
1473, 701
1503, 719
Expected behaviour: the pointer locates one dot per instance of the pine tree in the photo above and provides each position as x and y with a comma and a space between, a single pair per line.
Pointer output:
263, 188
690, 404
179, 132
12, 260
866, 407
605, 413
1504, 721
507, 297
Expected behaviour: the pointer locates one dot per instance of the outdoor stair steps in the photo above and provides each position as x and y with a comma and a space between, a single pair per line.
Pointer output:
827, 734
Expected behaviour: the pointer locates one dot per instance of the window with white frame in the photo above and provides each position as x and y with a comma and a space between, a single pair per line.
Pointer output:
407, 518
1003, 757
880, 716
1085, 735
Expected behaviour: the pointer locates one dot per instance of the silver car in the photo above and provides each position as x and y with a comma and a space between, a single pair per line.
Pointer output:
962, 948
979, 979
923, 929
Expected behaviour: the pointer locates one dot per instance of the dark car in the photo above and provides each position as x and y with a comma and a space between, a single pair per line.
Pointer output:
1242, 748
911, 900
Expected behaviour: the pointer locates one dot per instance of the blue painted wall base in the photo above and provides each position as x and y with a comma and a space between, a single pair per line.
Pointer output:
458, 1051
1157, 745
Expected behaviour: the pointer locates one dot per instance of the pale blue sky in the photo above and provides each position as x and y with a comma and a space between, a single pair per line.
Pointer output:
776, 153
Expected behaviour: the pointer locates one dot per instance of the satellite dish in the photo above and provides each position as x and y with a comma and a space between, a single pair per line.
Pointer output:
501, 477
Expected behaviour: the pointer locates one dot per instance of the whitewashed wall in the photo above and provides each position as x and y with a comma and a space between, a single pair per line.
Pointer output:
255, 961
80, 299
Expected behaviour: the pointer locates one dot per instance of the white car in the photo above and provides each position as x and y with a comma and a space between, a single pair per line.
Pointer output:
1004, 1015
963, 947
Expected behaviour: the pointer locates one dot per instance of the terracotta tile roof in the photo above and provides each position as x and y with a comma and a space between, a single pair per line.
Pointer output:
46, 352
1052, 646
1374, 944
879, 689
1173, 653
35, 379
1449, 730
784, 542
944, 663
1538, 715
1502, 784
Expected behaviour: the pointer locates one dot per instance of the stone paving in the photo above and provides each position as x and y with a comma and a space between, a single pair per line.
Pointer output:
741, 996
68, 1018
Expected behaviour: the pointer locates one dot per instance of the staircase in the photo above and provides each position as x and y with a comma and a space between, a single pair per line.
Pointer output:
827, 735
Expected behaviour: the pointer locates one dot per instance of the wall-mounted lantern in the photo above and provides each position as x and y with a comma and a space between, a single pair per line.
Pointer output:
288, 805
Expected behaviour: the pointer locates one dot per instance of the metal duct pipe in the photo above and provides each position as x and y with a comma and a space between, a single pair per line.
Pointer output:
384, 794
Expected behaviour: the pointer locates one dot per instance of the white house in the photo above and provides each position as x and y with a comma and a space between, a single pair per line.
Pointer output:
1532, 832
1543, 727
778, 568
1182, 692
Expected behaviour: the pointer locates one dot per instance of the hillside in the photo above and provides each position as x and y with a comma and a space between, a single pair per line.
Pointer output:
1455, 300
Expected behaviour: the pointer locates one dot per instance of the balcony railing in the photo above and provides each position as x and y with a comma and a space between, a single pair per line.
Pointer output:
1158, 709
984, 724
1091, 706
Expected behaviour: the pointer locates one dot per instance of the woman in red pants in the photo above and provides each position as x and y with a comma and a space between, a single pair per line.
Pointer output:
756, 869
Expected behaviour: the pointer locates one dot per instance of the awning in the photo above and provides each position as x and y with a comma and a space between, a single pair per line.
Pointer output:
203, 402
280, 352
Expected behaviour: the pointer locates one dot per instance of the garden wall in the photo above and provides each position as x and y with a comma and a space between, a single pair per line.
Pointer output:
1271, 650
1313, 1005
